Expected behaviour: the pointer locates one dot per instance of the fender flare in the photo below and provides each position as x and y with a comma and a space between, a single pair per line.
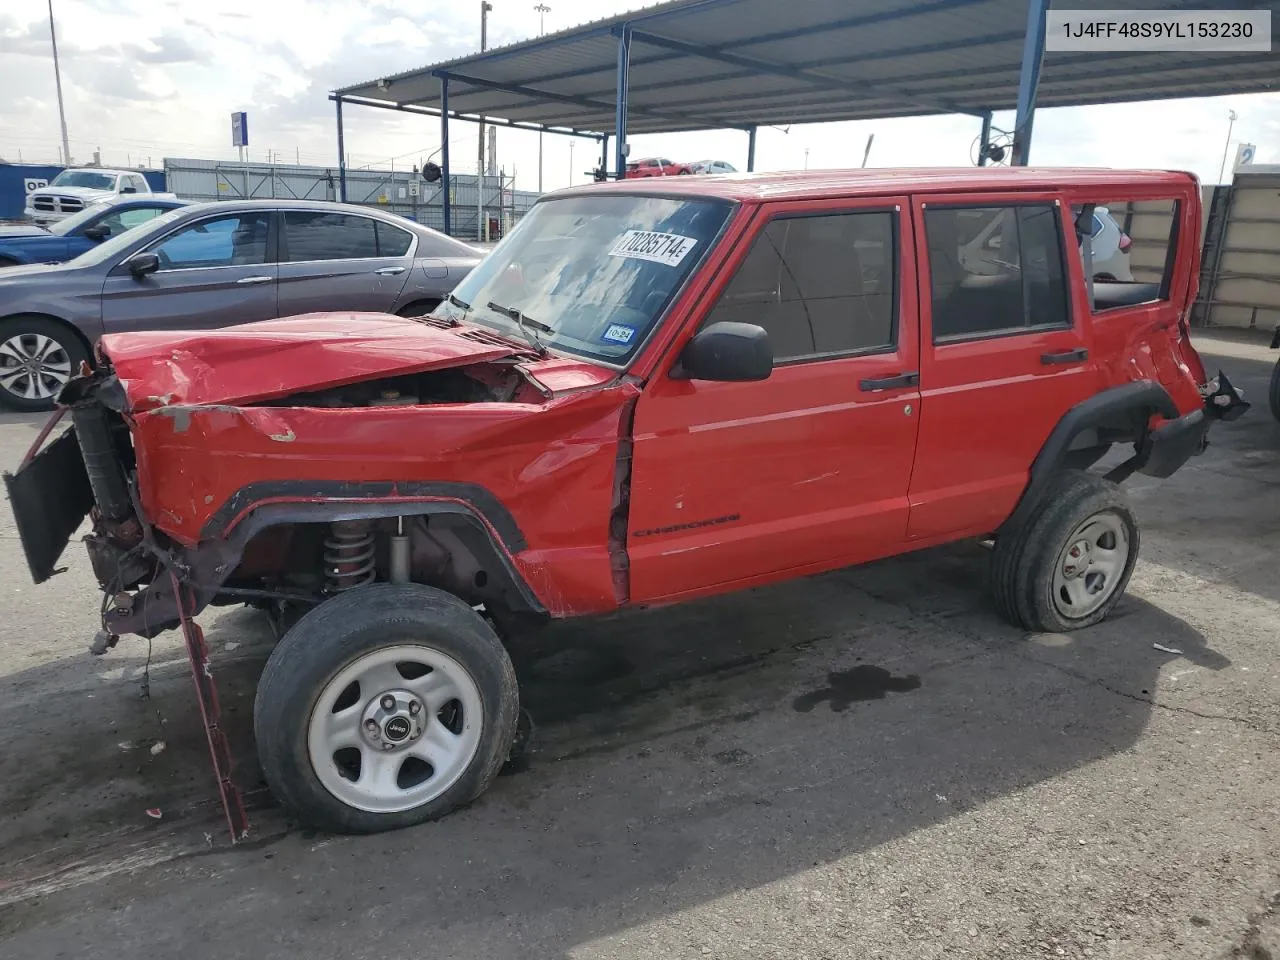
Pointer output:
1139, 397
480, 537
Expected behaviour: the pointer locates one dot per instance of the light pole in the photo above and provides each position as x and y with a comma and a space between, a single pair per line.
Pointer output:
57, 79
806, 158
1231, 122
572, 144
485, 7
543, 10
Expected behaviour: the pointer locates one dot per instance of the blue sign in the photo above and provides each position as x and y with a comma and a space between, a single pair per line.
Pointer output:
240, 129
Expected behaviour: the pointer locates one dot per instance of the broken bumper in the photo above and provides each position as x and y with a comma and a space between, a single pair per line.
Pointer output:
1174, 443
50, 496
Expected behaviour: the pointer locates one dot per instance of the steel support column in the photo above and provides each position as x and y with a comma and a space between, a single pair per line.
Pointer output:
623, 33
1029, 80
604, 156
342, 155
751, 149
984, 140
446, 187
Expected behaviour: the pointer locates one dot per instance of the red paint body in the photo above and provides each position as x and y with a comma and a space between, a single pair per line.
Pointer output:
814, 473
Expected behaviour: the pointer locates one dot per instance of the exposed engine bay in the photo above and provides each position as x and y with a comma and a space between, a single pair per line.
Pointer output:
482, 383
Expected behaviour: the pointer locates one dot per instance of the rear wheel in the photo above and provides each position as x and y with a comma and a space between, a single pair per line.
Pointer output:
386, 706
37, 357
1274, 395
1068, 565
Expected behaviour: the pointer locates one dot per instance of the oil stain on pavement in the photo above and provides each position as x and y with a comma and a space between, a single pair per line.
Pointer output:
845, 687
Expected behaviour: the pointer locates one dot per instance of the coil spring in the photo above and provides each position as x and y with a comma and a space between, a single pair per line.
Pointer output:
348, 556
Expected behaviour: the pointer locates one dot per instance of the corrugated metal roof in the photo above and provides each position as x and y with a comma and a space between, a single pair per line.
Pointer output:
699, 64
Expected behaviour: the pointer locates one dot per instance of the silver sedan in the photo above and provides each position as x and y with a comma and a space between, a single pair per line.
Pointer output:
213, 265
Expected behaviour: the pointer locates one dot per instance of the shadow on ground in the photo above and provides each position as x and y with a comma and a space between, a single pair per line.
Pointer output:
680, 754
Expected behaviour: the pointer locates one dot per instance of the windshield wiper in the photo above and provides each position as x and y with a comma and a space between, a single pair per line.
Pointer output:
527, 326
464, 307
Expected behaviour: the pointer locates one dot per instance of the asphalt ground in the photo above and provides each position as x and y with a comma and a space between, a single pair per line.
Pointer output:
868, 763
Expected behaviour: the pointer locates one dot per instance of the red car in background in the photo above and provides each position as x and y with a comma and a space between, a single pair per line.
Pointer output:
657, 167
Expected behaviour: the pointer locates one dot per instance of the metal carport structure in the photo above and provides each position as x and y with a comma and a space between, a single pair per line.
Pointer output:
743, 64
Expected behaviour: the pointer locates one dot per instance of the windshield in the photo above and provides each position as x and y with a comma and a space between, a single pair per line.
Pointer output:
85, 178
113, 246
589, 275
68, 224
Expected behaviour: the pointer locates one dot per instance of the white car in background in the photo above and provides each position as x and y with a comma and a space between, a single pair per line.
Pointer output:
77, 188
1110, 247
712, 166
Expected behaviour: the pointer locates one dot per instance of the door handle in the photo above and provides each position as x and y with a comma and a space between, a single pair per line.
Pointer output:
887, 383
255, 280
388, 271
1068, 356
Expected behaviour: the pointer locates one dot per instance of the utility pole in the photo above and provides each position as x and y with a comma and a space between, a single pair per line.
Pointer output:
485, 7
543, 10
57, 79
1226, 147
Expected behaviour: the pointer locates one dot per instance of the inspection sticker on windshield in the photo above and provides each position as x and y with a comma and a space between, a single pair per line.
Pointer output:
668, 248
618, 333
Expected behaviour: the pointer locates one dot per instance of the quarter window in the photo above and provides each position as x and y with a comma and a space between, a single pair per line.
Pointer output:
821, 286
328, 236
392, 241
995, 270
236, 240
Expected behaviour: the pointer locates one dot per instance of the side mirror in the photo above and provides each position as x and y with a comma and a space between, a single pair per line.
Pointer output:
99, 231
143, 264
727, 351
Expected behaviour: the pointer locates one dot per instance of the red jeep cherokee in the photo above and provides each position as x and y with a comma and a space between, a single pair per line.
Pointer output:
649, 392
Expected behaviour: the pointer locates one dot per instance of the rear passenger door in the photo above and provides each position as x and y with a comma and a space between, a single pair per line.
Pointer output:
808, 469
341, 261
1004, 353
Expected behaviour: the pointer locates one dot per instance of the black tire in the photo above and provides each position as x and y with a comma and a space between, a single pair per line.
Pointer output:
1023, 562
332, 636
70, 348
1274, 393
7, 262
419, 308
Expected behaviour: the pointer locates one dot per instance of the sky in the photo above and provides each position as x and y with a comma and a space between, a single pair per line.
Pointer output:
145, 79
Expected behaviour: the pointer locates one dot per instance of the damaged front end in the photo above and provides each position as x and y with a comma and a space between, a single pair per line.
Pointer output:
88, 471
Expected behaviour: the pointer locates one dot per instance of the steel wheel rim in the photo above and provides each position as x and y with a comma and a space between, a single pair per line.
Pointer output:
1090, 565
396, 745
33, 366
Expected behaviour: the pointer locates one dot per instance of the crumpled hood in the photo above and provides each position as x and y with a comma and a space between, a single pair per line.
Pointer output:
273, 358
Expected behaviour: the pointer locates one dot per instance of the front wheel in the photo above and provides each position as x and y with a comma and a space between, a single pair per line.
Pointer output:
387, 706
1069, 564
37, 358
1274, 394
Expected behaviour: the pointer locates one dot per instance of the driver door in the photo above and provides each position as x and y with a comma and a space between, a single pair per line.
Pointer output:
734, 483
215, 272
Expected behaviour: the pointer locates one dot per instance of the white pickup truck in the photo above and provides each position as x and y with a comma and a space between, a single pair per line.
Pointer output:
74, 189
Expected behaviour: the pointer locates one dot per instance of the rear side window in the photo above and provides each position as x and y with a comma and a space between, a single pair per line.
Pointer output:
822, 286
1132, 245
995, 270
328, 236
392, 241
